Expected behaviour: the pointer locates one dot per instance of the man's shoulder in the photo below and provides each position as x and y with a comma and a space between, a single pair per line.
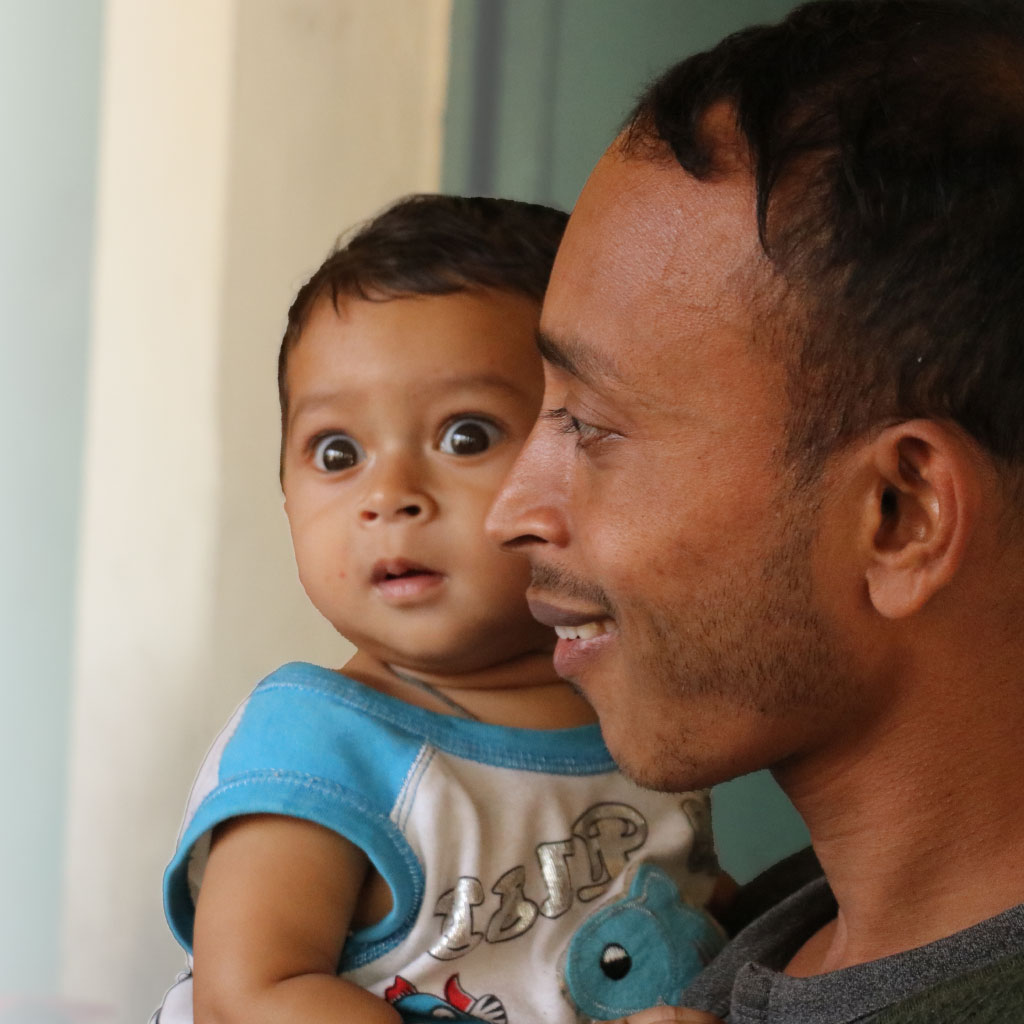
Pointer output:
993, 994
975, 976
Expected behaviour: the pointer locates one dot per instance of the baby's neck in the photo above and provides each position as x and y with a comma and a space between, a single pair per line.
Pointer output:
523, 692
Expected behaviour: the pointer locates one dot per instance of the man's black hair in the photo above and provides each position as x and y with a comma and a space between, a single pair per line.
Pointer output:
886, 139
431, 245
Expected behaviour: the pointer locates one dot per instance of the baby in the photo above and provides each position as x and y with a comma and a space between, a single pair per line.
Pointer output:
436, 831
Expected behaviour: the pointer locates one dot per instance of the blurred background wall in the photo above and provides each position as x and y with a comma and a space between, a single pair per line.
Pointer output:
49, 90
174, 170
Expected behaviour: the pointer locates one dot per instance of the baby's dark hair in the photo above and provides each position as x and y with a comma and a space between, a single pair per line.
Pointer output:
431, 245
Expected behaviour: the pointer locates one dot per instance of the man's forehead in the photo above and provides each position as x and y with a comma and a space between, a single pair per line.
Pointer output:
647, 242
626, 216
635, 212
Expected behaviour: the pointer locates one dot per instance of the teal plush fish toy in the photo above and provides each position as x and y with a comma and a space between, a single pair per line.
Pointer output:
640, 951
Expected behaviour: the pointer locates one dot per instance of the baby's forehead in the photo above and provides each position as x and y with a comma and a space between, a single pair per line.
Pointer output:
452, 384
417, 348
460, 327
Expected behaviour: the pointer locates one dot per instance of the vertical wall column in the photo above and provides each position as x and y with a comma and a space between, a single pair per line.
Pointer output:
238, 138
49, 87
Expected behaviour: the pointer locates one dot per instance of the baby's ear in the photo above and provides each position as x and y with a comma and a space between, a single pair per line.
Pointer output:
919, 507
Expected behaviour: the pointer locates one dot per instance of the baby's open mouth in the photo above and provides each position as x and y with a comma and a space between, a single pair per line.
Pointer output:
399, 569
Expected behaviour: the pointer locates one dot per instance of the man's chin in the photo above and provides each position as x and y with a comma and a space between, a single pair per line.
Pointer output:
667, 772
647, 777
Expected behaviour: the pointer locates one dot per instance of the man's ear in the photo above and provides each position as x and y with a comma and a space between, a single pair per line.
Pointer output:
918, 515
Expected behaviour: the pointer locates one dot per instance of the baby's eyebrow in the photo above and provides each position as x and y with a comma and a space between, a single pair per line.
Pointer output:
492, 381
312, 402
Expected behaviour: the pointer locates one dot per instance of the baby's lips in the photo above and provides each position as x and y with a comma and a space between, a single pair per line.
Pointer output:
390, 568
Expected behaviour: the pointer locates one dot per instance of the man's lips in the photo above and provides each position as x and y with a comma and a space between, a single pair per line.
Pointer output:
568, 623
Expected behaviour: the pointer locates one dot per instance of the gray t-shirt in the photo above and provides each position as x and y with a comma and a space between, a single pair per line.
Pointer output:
744, 984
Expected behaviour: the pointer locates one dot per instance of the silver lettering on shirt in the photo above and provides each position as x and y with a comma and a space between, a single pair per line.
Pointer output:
516, 913
602, 840
554, 868
611, 833
456, 907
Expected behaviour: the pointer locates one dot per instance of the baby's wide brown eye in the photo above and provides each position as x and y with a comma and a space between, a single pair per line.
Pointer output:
468, 436
337, 452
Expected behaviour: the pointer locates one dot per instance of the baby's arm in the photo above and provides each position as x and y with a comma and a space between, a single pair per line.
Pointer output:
274, 909
669, 1015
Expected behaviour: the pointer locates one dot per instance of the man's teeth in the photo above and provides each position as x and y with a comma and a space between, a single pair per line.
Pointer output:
585, 632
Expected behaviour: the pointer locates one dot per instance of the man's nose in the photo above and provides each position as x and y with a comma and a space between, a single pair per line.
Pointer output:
397, 491
531, 509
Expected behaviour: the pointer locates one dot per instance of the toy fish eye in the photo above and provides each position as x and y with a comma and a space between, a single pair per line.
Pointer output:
615, 961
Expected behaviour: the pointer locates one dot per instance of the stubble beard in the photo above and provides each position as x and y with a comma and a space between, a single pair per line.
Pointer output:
752, 644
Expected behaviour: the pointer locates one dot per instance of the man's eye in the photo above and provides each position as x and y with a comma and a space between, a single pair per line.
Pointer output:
468, 436
336, 452
584, 433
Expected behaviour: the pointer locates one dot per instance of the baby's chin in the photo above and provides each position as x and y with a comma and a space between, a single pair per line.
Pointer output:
471, 669
493, 652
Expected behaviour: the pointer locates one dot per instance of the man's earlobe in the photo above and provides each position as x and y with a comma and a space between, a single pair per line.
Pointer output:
918, 515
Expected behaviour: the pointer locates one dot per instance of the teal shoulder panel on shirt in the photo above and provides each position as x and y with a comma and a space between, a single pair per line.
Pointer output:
311, 743
308, 721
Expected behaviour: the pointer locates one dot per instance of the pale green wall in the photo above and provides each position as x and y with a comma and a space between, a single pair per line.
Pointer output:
537, 90
49, 84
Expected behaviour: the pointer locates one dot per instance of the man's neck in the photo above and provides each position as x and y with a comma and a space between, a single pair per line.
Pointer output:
913, 855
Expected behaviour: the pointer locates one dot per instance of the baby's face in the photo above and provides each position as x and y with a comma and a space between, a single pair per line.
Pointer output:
404, 416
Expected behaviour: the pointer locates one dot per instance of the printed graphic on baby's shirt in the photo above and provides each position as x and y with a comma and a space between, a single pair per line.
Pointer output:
575, 868
455, 1004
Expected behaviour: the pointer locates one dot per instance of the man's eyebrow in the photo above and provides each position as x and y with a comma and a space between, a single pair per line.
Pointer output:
576, 360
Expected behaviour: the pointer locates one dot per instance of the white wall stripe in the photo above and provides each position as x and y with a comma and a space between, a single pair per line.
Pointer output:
238, 138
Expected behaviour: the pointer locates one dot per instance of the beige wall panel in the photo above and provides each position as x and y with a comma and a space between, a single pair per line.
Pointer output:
239, 137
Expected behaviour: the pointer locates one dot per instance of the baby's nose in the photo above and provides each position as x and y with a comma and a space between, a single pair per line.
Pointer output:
385, 509
397, 492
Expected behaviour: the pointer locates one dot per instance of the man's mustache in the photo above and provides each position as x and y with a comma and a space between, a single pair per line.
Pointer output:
557, 582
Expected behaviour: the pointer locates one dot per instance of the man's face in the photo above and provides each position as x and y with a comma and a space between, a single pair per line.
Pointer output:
668, 545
